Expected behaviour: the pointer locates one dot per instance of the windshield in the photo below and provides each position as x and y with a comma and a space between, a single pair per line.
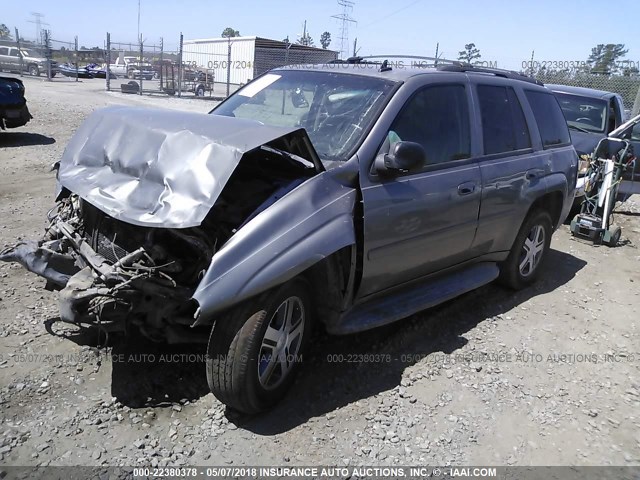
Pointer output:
335, 109
584, 112
30, 53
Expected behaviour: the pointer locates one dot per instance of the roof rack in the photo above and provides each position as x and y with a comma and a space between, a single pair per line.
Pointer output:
441, 64
498, 72
434, 61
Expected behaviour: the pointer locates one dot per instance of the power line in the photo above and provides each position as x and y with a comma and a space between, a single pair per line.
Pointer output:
392, 13
37, 19
345, 19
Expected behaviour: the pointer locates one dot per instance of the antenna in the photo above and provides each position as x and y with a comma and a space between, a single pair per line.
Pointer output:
345, 19
37, 19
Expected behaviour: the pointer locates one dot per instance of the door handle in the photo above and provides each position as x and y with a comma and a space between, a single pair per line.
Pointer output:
466, 188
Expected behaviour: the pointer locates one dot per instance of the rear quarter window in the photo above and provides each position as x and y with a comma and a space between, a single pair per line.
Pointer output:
550, 119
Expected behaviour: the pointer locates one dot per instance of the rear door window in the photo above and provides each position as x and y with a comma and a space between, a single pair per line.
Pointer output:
549, 117
4, 51
504, 128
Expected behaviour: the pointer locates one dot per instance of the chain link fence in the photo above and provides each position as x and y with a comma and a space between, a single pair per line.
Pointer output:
55, 59
212, 68
215, 68
64, 58
133, 67
627, 86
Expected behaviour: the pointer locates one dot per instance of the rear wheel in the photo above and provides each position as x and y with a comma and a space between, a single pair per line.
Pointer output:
255, 351
200, 91
529, 250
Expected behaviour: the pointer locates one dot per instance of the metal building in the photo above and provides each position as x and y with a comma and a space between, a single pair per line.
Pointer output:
248, 57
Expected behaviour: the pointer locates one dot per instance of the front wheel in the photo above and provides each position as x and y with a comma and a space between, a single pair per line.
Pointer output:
255, 351
34, 71
529, 250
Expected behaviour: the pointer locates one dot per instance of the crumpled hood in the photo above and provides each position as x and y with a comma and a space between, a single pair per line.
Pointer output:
162, 168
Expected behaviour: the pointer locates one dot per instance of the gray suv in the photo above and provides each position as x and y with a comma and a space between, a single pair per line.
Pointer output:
342, 195
26, 60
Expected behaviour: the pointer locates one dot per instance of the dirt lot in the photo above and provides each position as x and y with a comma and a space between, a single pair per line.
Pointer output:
547, 376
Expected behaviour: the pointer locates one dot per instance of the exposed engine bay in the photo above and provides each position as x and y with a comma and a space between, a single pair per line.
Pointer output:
116, 275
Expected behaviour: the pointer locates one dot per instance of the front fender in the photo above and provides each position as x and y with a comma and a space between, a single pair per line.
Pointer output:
308, 224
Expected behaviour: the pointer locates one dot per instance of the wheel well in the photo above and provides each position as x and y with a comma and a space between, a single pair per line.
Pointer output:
329, 281
550, 202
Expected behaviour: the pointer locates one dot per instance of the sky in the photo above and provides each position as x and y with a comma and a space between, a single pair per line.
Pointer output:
504, 31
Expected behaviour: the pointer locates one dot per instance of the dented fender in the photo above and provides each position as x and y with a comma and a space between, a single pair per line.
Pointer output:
310, 223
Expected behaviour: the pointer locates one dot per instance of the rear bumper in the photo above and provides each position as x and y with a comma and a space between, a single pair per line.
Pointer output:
14, 116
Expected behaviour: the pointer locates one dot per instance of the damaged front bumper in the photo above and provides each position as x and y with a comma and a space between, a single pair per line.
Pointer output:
133, 290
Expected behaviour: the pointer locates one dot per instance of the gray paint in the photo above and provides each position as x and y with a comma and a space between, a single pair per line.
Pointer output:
310, 223
418, 224
414, 227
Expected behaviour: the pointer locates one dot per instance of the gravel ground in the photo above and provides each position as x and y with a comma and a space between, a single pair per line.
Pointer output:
545, 376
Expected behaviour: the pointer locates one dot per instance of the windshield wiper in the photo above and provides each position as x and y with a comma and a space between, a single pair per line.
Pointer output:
580, 129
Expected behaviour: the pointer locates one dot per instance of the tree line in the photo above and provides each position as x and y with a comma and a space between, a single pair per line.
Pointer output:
305, 38
605, 59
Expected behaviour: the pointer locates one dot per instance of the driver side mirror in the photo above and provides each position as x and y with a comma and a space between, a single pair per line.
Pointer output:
403, 157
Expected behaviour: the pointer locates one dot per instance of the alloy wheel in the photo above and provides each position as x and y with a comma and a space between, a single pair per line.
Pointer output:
532, 250
281, 343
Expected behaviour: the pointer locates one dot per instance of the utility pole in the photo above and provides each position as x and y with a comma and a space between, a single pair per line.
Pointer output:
345, 19
138, 19
531, 70
37, 19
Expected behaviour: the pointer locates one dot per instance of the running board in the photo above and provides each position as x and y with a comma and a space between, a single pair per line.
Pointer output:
415, 298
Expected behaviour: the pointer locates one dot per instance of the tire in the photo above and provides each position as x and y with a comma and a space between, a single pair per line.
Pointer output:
200, 91
34, 71
522, 266
616, 233
240, 372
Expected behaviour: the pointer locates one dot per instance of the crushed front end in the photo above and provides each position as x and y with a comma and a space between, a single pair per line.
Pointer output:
146, 198
117, 275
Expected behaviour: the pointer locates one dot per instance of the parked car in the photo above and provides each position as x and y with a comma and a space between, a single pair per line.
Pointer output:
33, 63
591, 115
13, 106
347, 196
130, 67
